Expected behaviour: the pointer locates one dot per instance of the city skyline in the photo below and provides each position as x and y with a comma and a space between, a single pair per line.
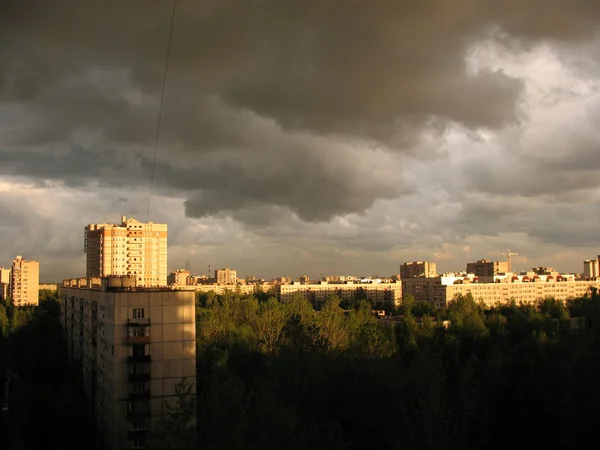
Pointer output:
211, 270
297, 142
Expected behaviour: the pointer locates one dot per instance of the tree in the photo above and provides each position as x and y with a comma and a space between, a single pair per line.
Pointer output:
177, 430
332, 323
3, 321
374, 341
268, 324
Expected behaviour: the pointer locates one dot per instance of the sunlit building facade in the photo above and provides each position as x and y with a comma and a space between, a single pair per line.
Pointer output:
379, 293
226, 276
23, 288
417, 269
131, 248
133, 345
485, 268
590, 269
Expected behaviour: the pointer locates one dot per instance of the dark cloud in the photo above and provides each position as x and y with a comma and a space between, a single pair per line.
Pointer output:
272, 107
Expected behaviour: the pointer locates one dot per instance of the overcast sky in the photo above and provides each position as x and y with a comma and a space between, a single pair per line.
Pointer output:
301, 136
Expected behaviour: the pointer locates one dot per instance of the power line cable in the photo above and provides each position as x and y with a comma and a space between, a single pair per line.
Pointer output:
160, 109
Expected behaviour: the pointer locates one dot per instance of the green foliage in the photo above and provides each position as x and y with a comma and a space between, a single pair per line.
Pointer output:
177, 430
4, 322
467, 317
275, 375
48, 295
45, 393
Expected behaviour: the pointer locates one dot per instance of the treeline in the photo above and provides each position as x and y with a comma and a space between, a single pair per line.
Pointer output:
275, 375
46, 401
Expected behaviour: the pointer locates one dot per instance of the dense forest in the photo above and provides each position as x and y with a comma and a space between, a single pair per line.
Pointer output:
274, 375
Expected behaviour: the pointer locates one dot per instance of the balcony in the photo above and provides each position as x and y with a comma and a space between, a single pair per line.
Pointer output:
138, 322
133, 434
139, 377
139, 414
140, 395
138, 339
139, 358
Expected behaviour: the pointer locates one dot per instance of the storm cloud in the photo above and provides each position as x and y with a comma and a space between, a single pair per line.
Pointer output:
415, 124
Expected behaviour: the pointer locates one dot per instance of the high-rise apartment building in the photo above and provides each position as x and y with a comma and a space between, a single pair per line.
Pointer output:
485, 268
226, 276
4, 283
133, 346
131, 248
416, 269
590, 269
23, 288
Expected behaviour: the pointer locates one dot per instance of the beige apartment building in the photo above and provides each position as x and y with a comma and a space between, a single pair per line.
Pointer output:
417, 269
226, 276
131, 248
485, 268
48, 287
23, 287
133, 345
4, 283
221, 289
590, 269
178, 277
525, 288
522, 292
386, 293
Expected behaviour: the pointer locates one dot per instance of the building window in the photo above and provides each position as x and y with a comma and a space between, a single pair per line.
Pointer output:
138, 331
138, 313
140, 369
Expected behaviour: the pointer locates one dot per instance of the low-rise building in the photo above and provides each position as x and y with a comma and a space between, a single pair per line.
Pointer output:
522, 292
500, 288
417, 269
48, 287
179, 277
380, 293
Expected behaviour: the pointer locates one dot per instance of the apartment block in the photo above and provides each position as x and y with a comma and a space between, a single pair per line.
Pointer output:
131, 248
178, 277
133, 345
485, 268
226, 276
23, 287
4, 283
520, 291
4, 291
222, 289
48, 287
417, 269
590, 269
386, 293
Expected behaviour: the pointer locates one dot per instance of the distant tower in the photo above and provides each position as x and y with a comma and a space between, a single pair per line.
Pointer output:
590, 268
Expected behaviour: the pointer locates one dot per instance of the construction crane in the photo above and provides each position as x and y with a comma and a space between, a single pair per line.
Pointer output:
508, 255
